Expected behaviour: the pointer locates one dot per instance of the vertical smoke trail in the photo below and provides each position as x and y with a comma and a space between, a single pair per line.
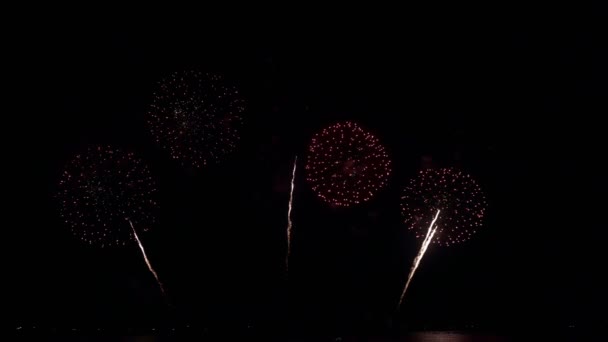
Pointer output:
425, 244
143, 252
293, 177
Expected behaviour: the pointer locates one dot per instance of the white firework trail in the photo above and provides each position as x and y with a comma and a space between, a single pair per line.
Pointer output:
143, 252
289, 224
425, 244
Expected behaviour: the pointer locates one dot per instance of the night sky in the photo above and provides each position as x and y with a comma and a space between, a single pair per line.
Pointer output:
522, 111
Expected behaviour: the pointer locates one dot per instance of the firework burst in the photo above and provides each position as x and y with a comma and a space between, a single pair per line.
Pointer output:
103, 194
100, 189
452, 193
197, 117
455, 193
346, 164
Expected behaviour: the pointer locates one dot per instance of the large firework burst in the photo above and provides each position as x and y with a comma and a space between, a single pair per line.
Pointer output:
346, 164
455, 193
197, 117
101, 190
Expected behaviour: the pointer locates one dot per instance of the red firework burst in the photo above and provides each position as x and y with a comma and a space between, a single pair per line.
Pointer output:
346, 164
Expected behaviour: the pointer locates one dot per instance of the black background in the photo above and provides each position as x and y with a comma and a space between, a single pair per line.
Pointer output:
521, 110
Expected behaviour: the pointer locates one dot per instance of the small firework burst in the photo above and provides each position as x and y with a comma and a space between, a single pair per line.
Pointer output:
346, 164
197, 117
456, 194
101, 190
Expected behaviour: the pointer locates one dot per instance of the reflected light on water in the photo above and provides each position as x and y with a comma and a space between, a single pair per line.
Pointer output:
144, 339
453, 337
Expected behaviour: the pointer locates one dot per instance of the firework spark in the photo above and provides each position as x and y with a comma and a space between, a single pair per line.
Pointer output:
143, 252
289, 223
425, 244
